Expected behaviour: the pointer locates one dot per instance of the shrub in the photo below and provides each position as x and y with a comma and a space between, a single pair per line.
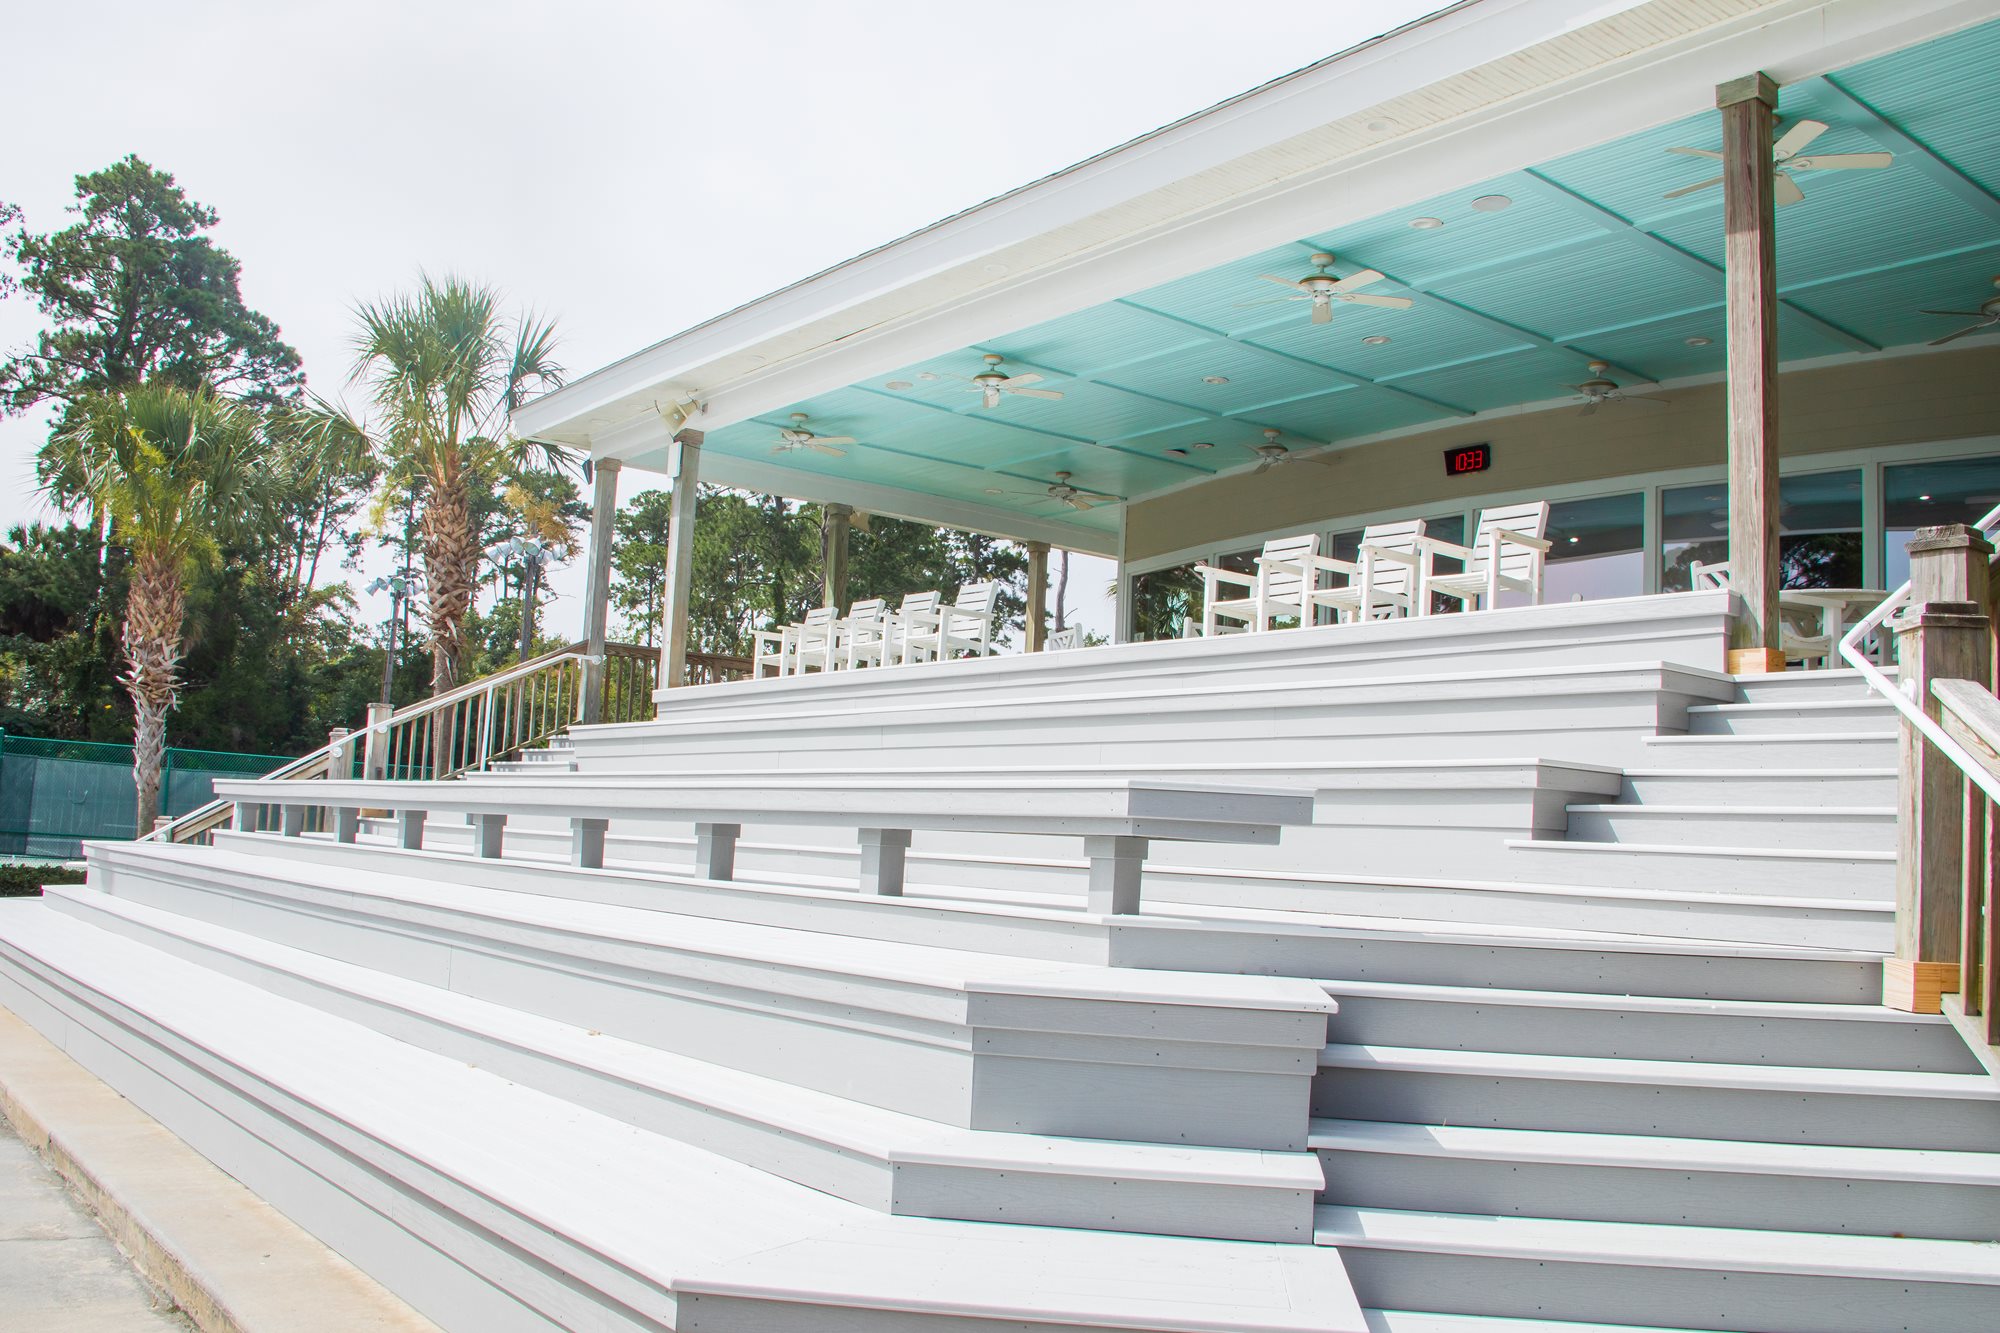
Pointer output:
25, 881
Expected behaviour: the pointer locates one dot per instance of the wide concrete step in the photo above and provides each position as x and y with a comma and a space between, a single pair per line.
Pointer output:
1861, 877
883, 1160
1790, 717
1770, 786
1830, 751
1674, 1098
490, 1205
1657, 1180
1701, 1277
1742, 823
1645, 1027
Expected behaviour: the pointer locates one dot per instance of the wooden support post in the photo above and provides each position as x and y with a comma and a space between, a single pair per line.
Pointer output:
1115, 866
597, 585
715, 850
1037, 632
883, 855
487, 832
1945, 635
1751, 254
410, 830
586, 843
292, 821
375, 749
340, 759
836, 522
346, 823
684, 472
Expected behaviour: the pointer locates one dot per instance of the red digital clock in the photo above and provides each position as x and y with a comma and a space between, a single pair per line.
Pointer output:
1467, 458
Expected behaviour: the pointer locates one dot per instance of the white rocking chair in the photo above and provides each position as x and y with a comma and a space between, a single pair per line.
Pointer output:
818, 641
1384, 579
1799, 645
867, 634
1063, 640
1278, 588
1507, 554
776, 649
966, 626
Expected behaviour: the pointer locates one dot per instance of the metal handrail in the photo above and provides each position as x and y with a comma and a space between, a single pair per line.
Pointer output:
1899, 693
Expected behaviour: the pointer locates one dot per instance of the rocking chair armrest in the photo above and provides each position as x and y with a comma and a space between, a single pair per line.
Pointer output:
1439, 546
1533, 543
1213, 574
1394, 557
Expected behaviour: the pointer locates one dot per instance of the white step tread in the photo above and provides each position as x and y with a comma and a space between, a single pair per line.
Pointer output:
1422, 1321
599, 1182
1927, 1166
1796, 706
1725, 1249
1778, 1010
1725, 740
1686, 849
1679, 1073
1759, 775
1748, 811
871, 1131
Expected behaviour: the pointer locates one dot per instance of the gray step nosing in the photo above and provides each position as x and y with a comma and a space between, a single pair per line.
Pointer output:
1690, 849
1650, 1004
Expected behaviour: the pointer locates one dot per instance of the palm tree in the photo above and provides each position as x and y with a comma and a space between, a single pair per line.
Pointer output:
173, 471
445, 371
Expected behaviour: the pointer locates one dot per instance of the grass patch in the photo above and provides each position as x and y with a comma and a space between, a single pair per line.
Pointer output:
25, 881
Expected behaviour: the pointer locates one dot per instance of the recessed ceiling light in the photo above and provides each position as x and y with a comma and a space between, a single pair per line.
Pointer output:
1178, 453
1215, 379
1492, 203
1699, 341
1576, 539
898, 384
1376, 339
1426, 224
996, 268
1379, 126
1201, 444
1923, 497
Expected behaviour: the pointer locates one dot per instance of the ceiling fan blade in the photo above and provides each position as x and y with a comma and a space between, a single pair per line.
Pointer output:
1795, 140
1690, 189
1384, 302
1263, 467
1785, 190
1322, 312
1051, 394
1282, 282
1842, 161
1959, 314
1697, 152
1970, 328
835, 439
1588, 408
783, 448
1077, 502
1013, 381
826, 449
1356, 281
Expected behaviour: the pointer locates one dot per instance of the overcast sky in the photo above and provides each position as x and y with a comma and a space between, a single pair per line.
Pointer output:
630, 168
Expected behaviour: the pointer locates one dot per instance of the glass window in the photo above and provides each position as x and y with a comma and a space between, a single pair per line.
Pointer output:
1598, 549
1819, 530
1921, 495
1165, 600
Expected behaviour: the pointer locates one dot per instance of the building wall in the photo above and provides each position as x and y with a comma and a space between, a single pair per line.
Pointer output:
1863, 404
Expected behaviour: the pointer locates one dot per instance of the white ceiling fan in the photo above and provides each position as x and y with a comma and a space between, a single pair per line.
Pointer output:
1599, 390
1322, 288
1986, 317
796, 437
993, 381
1786, 157
1271, 453
1063, 493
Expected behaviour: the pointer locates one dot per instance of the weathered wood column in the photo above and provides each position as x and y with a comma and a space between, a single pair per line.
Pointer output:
597, 584
683, 474
1752, 279
1037, 631
1944, 635
836, 522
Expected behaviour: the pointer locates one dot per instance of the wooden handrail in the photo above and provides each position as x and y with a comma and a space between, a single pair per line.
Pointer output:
1970, 715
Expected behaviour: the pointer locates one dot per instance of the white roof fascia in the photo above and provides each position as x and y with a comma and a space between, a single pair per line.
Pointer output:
1645, 86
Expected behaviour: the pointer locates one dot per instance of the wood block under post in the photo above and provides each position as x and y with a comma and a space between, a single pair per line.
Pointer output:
715, 850
346, 823
882, 859
1756, 661
586, 843
410, 830
1115, 866
1915, 987
487, 832
292, 821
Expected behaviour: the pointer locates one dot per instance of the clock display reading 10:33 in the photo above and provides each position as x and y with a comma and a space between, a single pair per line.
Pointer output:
1467, 458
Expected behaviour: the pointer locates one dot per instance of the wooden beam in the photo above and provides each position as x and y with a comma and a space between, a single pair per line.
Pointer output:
597, 584
683, 472
1752, 284
1037, 616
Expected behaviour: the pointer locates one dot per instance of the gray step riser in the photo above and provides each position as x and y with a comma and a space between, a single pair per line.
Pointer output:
1626, 1033
1749, 788
861, 1043
1543, 1288
1844, 685
1777, 875
1361, 956
907, 1188
1873, 718
1595, 1193
1678, 1111
1810, 832
1762, 752
1864, 927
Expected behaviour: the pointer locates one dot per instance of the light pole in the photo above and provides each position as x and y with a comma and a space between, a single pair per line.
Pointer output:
531, 555
398, 587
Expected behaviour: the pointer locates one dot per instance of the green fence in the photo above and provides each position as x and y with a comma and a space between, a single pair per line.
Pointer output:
54, 794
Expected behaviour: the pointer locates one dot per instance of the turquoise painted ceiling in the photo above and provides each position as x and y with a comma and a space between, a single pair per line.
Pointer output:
1588, 262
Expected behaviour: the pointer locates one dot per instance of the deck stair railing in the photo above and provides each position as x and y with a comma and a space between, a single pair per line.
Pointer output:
1948, 818
472, 725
